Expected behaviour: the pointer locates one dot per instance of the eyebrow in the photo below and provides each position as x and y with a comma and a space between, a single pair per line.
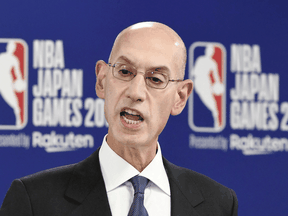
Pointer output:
127, 60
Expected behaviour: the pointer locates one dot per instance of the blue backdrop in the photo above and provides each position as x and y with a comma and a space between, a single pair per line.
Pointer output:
236, 136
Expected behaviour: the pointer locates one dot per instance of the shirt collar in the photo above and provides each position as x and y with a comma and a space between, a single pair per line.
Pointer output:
116, 170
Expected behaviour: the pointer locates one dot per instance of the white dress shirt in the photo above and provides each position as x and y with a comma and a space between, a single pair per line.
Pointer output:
116, 173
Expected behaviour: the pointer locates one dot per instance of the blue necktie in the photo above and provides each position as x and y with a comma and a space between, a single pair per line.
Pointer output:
137, 208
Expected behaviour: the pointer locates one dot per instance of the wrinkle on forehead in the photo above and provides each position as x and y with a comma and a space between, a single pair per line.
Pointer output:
156, 33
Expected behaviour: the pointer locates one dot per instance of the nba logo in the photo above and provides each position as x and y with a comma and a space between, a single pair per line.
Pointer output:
13, 84
207, 103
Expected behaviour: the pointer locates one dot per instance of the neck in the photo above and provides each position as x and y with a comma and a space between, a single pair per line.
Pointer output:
139, 156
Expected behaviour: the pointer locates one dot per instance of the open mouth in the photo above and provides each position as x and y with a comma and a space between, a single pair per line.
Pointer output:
131, 116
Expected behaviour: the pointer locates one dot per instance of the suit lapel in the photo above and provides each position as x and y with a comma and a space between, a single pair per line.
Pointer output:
87, 188
184, 193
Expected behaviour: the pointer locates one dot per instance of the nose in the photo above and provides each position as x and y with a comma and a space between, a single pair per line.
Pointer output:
137, 88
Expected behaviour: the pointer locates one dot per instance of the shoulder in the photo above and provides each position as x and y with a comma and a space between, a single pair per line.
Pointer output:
38, 188
54, 177
191, 183
187, 176
42, 192
59, 178
35, 192
61, 175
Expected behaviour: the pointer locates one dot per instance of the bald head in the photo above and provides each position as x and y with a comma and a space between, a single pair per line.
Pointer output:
148, 34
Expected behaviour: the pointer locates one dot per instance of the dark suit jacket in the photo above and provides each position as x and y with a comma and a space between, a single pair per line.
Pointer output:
79, 189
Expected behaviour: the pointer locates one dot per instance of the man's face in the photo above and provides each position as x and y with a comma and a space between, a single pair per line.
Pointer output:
137, 113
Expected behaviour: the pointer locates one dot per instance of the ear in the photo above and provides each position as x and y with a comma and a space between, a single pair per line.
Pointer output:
100, 70
183, 91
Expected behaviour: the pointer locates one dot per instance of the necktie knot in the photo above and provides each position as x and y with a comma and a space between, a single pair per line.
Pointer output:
139, 183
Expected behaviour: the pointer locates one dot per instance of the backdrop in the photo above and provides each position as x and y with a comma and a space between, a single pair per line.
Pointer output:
233, 128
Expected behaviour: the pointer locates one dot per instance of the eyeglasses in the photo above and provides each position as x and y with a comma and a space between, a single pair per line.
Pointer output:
154, 78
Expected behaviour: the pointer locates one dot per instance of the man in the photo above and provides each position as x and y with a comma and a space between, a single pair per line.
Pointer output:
205, 66
142, 85
8, 61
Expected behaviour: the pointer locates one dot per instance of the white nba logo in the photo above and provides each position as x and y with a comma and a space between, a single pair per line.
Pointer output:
207, 103
14, 83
